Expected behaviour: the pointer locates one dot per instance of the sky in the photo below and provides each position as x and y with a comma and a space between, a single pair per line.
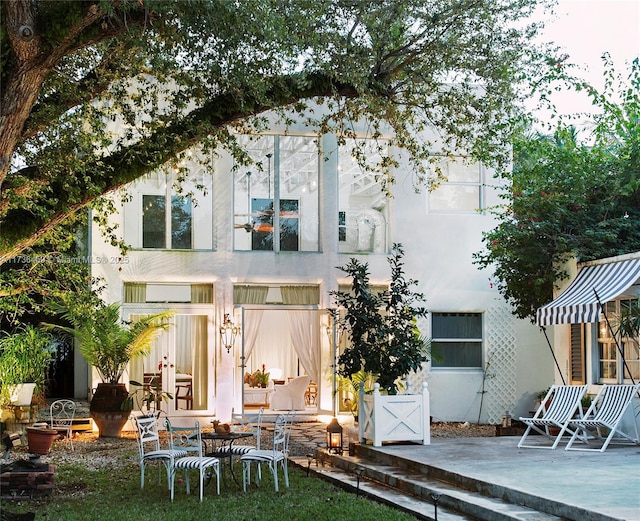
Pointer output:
585, 29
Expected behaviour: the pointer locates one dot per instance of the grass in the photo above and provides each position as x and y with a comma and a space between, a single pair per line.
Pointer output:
114, 493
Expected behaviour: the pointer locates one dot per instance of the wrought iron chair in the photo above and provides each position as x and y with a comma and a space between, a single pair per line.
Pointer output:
190, 440
149, 448
274, 457
61, 415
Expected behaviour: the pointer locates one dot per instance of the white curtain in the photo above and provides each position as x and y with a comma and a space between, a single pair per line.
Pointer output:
251, 329
303, 328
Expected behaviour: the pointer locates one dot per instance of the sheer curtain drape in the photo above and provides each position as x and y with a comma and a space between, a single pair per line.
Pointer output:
304, 336
251, 329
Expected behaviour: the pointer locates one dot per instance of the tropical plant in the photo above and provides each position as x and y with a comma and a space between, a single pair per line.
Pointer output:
25, 357
98, 93
350, 387
627, 323
382, 330
108, 343
569, 195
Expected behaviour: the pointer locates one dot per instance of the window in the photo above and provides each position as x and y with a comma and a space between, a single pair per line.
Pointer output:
611, 364
456, 340
363, 206
276, 197
577, 376
166, 229
461, 192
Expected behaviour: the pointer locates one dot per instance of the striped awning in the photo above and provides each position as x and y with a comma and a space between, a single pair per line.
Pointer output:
579, 302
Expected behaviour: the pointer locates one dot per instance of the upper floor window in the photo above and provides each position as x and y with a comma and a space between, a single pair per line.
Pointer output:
276, 197
166, 222
456, 340
462, 190
363, 213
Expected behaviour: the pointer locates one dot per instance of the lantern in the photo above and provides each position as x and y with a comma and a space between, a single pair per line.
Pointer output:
228, 332
334, 437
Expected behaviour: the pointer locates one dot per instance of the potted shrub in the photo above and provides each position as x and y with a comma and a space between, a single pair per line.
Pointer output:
385, 342
25, 357
109, 344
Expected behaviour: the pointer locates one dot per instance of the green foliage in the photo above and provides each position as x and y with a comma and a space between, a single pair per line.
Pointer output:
25, 356
107, 343
384, 339
627, 323
566, 198
109, 91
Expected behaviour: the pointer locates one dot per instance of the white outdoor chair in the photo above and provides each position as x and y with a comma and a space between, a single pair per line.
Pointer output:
559, 406
290, 396
251, 424
604, 417
274, 457
149, 448
61, 414
190, 440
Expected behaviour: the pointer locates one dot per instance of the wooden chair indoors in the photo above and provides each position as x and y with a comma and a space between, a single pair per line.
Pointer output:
184, 393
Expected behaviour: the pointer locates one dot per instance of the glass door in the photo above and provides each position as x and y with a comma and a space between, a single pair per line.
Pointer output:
177, 366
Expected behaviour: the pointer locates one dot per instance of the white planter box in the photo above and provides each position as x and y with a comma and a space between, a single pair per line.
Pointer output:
21, 394
399, 417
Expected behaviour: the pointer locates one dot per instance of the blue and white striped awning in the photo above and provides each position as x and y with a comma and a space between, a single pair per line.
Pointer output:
579, 302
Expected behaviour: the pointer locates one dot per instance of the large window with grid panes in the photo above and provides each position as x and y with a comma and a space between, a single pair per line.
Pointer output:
275, 196
618, 356
363, 212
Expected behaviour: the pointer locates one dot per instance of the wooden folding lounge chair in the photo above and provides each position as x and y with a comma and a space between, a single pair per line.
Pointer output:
559, 406
603, 419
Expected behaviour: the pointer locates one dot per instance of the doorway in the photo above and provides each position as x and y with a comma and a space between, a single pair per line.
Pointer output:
178, 364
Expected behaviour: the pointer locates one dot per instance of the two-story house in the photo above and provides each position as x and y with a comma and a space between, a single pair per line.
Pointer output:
262, 243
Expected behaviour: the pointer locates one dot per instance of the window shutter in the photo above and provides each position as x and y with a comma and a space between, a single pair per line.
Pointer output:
577, 354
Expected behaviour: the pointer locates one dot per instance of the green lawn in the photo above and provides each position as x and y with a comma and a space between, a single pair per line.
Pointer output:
114, 494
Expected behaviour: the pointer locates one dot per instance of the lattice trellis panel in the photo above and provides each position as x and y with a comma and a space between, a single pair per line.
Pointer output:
501, 377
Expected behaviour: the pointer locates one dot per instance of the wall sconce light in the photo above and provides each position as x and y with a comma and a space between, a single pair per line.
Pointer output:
334, 437
228, 332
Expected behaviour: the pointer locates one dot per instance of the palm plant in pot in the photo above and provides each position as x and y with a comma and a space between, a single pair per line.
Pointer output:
109, 344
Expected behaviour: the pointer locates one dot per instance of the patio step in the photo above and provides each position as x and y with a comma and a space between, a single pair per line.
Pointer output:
412, 487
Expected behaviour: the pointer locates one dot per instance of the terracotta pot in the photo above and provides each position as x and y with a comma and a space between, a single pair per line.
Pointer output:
107, 411
40, 439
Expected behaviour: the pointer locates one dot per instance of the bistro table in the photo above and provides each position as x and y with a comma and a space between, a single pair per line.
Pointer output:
222, 445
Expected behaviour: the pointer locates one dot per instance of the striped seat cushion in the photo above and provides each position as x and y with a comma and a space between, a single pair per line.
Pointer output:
194, 462
262, 455
165, 454
237, 450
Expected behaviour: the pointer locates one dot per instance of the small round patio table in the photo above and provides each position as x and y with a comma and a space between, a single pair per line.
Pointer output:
222, 445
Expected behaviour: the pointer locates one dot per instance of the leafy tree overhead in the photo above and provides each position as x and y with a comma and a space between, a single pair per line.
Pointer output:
97, 93
569, 198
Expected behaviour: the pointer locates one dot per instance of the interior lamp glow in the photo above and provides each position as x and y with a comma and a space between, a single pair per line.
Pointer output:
228, 332
334, 437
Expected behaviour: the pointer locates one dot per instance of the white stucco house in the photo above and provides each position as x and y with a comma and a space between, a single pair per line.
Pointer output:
262, 244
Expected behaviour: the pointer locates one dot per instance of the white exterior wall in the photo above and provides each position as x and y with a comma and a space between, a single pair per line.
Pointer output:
438, 253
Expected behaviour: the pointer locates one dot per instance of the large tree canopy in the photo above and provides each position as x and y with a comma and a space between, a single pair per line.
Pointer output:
171, 74
570, 195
